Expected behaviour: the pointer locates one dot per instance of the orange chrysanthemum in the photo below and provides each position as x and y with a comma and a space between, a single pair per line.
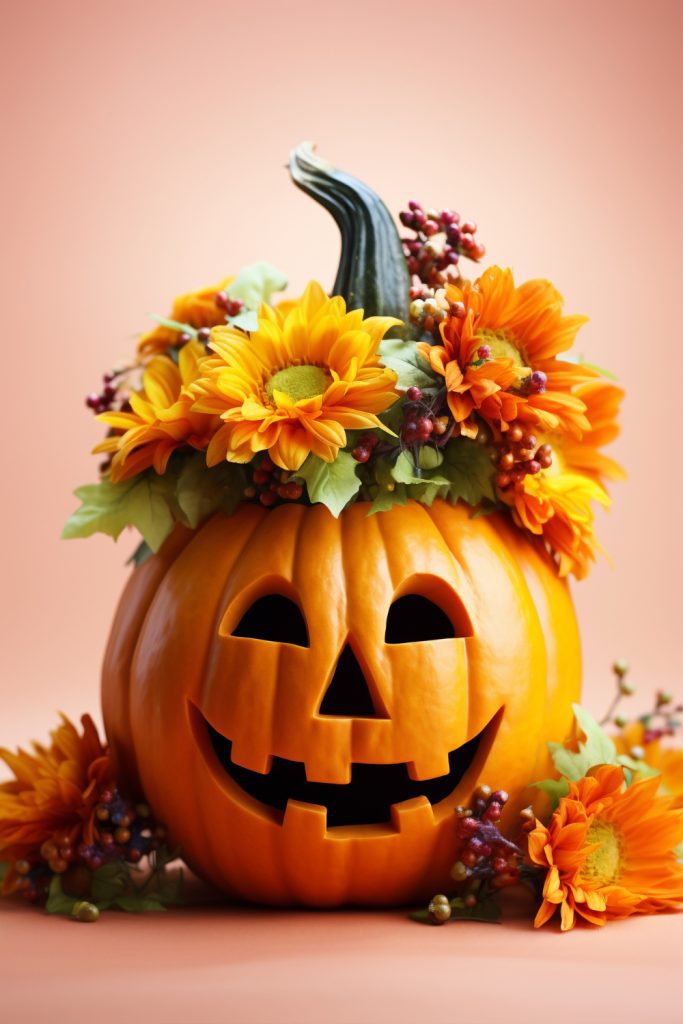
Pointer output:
557, 503
523, 330
54, 793
162, 417
667, 760
609, 851
197, 309
308, 374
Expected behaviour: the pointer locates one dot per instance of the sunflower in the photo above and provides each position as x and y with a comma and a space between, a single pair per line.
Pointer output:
608, 851
499, 355
53, 795
197, 309
667, 760
296, 384
557, 503
162, 417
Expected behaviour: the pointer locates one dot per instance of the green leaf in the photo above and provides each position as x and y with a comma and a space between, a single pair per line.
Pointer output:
247, 320
142, 552
138, 904
174, 325
143, 502
468, 469
255, 284
109, 883
331, 483
386, 499
554, 789
405, 472
640, 768
201, 491
596, 748
59, 902
412, 370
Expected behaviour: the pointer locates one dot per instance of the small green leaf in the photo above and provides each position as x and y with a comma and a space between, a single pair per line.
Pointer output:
467, 467
59, 902
201, 491
405, 472
596, 748
333, 484
255, 284
247, 320
386, 499
143, 502
174, 325
402, 357
142, 552
554, 789
422, 916
109, 882
138, 904
640, 768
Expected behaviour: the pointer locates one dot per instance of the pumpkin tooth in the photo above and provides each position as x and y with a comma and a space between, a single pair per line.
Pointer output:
416, 815
308, 821
432, 766
248, 756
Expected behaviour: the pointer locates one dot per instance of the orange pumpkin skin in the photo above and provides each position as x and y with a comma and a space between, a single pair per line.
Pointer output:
172, 665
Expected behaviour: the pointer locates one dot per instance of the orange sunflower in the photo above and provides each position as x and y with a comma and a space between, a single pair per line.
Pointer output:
557, 503
162, 417
309, 373
53, 795
197, 309
499, 357
608, 851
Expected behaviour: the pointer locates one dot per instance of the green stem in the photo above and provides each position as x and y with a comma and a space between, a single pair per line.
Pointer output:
372, 274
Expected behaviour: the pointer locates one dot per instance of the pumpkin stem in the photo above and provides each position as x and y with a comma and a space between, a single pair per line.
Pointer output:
372, 274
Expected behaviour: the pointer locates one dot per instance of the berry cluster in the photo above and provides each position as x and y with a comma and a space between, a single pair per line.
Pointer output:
365, 447
421, 422
270, 483
102, 401
441, 238
660, 722
123, 831
517, 455
232, 307
486, 854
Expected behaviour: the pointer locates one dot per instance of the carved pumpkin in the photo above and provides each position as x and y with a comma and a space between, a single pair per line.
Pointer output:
304, 700
307, 699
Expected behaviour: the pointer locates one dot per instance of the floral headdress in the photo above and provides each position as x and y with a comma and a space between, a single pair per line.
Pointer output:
412, 381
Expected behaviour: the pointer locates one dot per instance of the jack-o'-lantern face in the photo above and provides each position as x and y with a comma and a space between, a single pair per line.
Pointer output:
310, 698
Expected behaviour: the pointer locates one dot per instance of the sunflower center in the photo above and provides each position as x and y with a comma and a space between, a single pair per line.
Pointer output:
503, 347
298, 382
602, 864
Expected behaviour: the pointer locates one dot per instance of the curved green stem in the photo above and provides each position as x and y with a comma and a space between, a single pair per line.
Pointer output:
372, 274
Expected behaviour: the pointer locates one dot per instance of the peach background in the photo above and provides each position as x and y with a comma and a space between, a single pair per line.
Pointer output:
144, 152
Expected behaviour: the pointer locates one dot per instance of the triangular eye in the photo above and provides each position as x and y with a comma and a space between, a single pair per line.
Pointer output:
275, 618
413, 618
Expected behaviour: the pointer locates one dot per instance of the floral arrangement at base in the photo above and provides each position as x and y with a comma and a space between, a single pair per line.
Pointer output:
349, 605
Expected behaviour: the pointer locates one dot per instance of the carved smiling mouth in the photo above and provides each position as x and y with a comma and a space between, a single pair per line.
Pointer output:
367, 799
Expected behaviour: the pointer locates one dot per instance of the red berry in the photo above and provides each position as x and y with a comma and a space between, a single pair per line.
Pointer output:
261, 477
500, 796
267, 464
361, 453
499, 865
268, 498
492, 812
414, 394
467, 827
425, 426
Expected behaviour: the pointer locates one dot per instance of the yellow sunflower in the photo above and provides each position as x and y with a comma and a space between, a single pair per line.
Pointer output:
161, 418
309, 373
198, 309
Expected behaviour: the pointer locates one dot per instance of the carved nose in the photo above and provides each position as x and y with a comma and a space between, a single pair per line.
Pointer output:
348, 694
